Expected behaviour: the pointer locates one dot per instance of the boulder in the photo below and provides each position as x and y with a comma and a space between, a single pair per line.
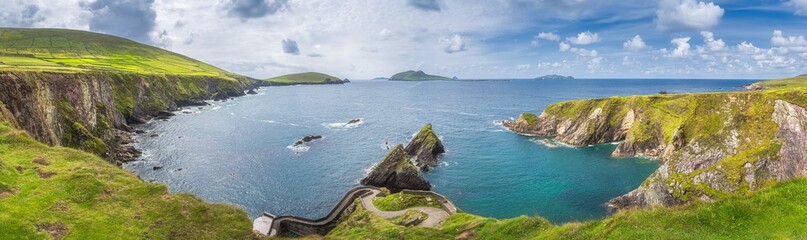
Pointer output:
252, 92
396, 172
354, 121
425, 147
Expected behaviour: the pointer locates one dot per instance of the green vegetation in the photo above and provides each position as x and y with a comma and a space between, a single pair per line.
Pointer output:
778, 212
72, 51
55, 192
305, 78
412, 75
426, 137
530, 118
400, 201
800, 81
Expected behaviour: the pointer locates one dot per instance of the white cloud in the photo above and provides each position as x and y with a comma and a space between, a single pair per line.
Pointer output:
800, 6
584, 38
748, 48
635, 44
675, 15
714, 45
385, 33
452, 44
564, 46
788, 43
585, 52
681, 47
548, 36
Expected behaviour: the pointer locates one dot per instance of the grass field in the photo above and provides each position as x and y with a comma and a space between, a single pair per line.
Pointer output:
69, 51
57, 192
304, 78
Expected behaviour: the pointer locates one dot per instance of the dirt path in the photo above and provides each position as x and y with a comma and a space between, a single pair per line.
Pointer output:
436, 215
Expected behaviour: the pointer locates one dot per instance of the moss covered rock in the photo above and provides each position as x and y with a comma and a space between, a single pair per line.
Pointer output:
425, 147
396, 172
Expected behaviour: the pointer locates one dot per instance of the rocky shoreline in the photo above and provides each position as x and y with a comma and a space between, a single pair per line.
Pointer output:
711, 145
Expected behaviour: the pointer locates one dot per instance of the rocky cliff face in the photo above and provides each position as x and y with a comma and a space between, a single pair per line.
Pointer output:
91, 111
396, 172
425, 147
711, 145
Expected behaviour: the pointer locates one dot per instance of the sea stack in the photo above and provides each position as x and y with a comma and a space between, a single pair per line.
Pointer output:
396, 172
425, 147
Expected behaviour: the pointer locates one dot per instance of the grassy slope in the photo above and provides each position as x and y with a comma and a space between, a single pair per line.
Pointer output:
412, 75
777, 212
70, 51
400, 201
303, 78
89, 198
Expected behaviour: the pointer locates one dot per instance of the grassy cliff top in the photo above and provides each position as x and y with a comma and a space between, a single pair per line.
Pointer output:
800, 81
412, 75
304, 78
61, 193
70, 51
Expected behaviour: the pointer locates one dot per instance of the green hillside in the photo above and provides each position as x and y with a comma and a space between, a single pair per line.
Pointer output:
306, 78
412, 75
57, 192
778, 212
62, 50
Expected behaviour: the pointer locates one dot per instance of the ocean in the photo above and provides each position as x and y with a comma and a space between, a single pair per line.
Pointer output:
241, 151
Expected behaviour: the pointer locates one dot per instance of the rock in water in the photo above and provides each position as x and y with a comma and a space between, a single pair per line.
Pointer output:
425, 147
396, 172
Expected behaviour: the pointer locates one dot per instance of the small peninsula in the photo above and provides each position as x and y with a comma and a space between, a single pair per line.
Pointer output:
554, 77
306, 78
413, 75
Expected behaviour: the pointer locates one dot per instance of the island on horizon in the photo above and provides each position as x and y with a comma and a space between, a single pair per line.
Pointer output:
306, 78
554, 77
419, 75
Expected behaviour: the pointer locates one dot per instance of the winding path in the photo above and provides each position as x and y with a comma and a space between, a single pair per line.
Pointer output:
436, 215
271, 225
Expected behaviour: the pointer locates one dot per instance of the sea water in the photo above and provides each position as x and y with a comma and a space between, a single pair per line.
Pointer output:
242, 151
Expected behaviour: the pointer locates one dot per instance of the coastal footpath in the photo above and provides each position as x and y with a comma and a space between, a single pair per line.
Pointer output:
711, 145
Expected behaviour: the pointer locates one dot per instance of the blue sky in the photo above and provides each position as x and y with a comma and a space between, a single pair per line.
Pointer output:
469, 39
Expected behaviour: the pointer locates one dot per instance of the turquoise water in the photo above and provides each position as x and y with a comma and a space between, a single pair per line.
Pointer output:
238, 151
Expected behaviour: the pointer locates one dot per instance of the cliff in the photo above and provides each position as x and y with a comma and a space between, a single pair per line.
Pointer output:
83, 89
396, 172
712, 145
412, 75
425, 147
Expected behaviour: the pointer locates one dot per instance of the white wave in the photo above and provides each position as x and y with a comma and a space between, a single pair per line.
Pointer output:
215, 108
545, 141
267, 121
298, 149
344, 125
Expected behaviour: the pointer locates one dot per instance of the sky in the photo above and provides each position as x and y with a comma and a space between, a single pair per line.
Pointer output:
470, 39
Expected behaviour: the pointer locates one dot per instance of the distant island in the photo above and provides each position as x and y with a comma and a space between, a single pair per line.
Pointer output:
306, 78
554, 77
412, 75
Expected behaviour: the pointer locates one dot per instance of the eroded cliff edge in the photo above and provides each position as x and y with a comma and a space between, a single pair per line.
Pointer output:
92, 110
711, 145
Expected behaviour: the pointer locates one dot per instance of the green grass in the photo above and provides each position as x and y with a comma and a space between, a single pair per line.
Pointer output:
80, 196
72, 51
304, 78
400, 201
412, 75
778, 212
800, 81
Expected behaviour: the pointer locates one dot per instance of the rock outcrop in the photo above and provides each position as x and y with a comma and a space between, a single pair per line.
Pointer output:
425, 147
396, 172
711, 145
92, 111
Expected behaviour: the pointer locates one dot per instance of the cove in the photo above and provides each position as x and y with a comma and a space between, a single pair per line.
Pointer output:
241, 151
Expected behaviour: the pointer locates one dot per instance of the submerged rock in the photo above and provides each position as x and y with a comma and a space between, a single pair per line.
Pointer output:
425, 147
354, 121
396, 172
252, 92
